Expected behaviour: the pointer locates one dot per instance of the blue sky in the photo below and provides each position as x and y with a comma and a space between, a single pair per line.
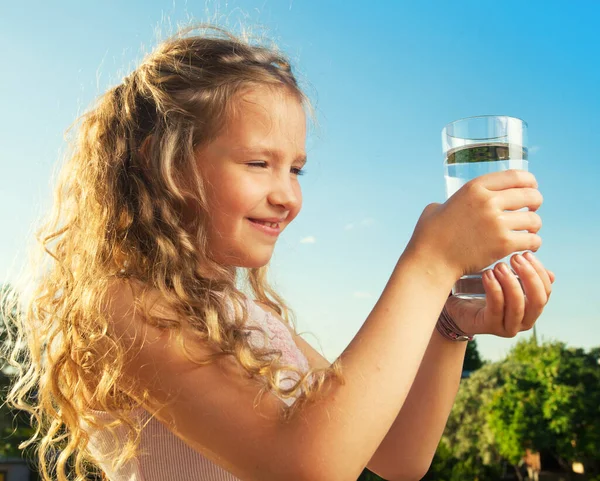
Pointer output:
385, 78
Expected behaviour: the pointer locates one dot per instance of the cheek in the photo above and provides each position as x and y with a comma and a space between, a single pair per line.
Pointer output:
245, 196
234, 197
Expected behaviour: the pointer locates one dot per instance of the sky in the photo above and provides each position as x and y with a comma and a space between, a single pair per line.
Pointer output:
385, 77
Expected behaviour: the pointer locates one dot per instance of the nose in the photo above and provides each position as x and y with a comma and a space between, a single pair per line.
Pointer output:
285, 191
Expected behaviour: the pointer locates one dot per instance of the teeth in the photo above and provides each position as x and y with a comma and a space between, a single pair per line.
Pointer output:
269, 224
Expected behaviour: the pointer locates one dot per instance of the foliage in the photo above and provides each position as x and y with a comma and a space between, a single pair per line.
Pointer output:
14, 426
447, 467
6, 311
472, 360
367, 475
543, 397
550, 402
467, 433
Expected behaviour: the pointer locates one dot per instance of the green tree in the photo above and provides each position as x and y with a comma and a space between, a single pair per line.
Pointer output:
549, 403
472, 360
367, 475
14, 426
542, 397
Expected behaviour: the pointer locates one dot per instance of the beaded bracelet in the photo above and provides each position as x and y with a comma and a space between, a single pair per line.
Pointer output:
448, 329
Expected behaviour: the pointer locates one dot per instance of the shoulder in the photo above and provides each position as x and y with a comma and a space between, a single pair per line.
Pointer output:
128, 302
211, 406
126, 297
314, 358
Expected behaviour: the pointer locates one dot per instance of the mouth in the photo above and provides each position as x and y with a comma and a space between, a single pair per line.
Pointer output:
270, 228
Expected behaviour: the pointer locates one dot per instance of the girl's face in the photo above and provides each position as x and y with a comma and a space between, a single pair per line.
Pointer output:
250, 173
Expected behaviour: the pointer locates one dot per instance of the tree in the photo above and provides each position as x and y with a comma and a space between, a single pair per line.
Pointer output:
14, 426
368, 475
472, 360
549, 403
542, 397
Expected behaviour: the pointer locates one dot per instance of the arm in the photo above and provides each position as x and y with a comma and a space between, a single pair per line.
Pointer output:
424, 413
410, 444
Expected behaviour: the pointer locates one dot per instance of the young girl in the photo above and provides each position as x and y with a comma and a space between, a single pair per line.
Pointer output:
153, 347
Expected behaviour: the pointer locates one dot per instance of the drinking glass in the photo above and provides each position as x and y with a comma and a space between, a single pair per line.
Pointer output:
475, 146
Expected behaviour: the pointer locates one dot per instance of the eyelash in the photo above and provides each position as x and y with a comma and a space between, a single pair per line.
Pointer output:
298, 171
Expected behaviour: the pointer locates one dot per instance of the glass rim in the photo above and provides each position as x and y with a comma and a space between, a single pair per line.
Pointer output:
444, 130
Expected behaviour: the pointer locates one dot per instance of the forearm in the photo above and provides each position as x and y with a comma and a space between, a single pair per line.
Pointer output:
379, 367
414, 436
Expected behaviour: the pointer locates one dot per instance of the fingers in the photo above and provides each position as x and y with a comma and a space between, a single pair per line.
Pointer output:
494, 297
515, 199
524, 241
529, 221
545, 275
536, 285
514, 301
508, 179
515, 306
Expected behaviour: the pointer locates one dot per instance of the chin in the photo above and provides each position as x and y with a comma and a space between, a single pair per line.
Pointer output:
256, 263
248, 261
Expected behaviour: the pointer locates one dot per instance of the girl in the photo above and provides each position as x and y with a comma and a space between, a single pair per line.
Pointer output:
153, 347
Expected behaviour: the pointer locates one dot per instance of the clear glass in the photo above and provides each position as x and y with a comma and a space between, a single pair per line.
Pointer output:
475, 146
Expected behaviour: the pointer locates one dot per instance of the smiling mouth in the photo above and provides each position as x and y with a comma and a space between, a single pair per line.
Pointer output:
269, 228
268, 224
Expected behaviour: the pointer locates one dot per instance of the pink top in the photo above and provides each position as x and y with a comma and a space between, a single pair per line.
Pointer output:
165, 456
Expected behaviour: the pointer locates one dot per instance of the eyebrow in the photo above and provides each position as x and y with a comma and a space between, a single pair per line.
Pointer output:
278, 154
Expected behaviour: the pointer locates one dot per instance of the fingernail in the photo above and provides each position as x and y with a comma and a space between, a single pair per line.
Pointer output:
529, 256
504, 269
490, 275
519, 259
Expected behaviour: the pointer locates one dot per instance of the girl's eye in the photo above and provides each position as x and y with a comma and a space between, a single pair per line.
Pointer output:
257, 164
295, 170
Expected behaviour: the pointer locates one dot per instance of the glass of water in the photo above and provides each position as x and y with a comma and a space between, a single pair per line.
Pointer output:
475, 146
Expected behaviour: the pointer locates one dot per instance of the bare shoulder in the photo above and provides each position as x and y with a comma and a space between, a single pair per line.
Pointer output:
125, 295
314, 358
210, 407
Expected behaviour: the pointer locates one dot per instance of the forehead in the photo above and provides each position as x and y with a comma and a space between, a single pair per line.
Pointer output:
265, 119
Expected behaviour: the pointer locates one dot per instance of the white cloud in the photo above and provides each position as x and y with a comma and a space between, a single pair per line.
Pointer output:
349, 227
308, 240
362, 295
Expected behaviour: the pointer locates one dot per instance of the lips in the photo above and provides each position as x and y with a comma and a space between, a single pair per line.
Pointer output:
265, 227
267, 223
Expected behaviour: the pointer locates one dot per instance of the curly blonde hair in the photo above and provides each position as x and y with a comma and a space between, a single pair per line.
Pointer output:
117, 213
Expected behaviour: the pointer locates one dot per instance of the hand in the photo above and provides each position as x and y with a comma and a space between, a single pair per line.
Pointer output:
478, 224
507, 309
